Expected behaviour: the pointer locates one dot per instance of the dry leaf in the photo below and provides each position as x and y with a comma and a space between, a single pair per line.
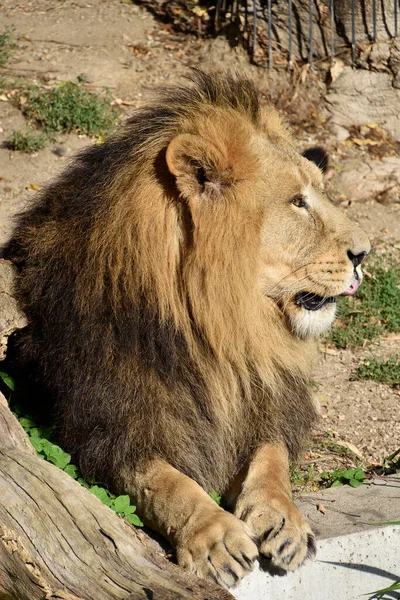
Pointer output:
323, 400
33, 186
351, 447
328, 350
362, 142
321, 508
304, 73
368, 142
336, 69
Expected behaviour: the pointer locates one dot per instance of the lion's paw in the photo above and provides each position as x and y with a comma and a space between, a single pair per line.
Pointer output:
282, 533
220, 548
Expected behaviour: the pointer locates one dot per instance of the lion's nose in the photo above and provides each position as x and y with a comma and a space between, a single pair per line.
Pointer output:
356, 259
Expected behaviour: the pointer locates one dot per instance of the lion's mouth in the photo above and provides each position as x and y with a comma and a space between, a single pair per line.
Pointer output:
311, 301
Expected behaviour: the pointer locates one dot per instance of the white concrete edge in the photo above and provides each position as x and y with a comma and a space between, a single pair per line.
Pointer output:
345, 568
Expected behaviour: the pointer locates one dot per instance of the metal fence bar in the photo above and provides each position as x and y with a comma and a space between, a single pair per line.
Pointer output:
374, 19
217, 13
254, 26
291, 35
332, 31
269, 34
395, 18
310, 30
353, 32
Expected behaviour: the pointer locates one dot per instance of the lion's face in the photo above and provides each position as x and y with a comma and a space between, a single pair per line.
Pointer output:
236, 178
312, 253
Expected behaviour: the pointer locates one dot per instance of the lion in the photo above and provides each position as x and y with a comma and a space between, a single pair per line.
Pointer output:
175, 279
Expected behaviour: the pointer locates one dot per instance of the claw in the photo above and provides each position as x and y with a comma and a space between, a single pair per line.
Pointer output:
311, 546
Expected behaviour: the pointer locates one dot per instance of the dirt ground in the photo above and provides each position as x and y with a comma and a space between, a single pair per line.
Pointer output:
123, 47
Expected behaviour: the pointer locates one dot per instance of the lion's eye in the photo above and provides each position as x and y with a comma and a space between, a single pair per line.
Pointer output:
299, 201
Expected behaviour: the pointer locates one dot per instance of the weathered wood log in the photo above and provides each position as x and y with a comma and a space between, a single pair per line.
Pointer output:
58, 541
11, 318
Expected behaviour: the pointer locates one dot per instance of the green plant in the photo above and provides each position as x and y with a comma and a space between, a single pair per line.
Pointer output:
8, 380
40, 438
26, 140
375, 310
68, 107
301, 476
342, 476
391, 464
384, 371
5, 46
378, 594
334, 448
216, 497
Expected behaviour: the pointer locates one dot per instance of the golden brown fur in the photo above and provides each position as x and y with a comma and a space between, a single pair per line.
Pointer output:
159, 274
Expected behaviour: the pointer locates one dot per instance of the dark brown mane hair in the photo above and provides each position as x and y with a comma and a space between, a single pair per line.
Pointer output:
145, 325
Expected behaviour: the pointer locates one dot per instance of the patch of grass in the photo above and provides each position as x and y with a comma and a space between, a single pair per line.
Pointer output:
392, 462
5, 46
26, 140
332, 447
68, 107
375, 310
342, 476
41, 439
302, 476
384, 371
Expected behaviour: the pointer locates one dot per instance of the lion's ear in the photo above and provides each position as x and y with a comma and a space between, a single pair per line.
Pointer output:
198, 165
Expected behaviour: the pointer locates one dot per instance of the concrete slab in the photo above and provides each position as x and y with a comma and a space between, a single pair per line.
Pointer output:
354, 557
350, 510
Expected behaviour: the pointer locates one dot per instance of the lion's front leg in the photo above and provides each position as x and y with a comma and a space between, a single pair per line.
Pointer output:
209, 541
261, 497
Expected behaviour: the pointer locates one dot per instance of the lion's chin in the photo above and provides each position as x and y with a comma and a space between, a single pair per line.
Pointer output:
310, 323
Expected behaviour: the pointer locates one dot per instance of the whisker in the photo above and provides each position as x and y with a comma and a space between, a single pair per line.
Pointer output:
299, 288
293, 273
309, 295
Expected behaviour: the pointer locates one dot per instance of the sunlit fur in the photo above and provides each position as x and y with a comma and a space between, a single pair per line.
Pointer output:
158, 274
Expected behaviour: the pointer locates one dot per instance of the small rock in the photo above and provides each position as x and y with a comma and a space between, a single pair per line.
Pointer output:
365, 179
85, 78
341, 132
60, 151
379, 56
361, 96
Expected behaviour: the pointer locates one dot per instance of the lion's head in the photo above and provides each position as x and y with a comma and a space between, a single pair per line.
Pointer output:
239, 174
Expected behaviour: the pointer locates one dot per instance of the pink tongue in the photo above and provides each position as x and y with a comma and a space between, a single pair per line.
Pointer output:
352, 289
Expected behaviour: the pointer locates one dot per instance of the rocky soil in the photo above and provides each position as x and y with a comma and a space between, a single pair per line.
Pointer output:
121, 46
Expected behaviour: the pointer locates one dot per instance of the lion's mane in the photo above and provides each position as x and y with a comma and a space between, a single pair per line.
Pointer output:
148, 329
